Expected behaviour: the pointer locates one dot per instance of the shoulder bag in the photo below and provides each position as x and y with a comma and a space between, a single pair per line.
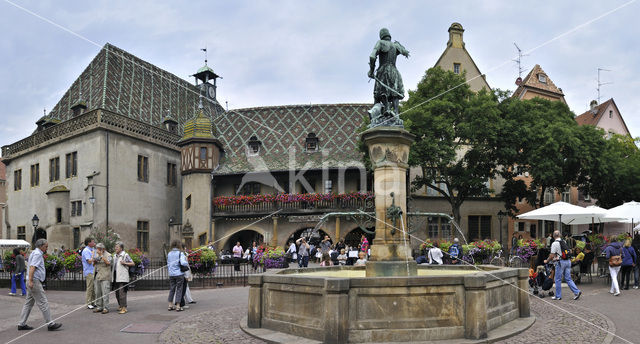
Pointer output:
616, 260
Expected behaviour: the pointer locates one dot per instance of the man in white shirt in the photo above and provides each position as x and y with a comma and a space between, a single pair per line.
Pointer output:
563, 268
435, 255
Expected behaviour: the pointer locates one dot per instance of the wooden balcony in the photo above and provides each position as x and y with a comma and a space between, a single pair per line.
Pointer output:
301, 204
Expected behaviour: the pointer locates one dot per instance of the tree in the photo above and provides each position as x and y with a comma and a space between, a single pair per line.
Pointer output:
542, 138
612, 178
456, 136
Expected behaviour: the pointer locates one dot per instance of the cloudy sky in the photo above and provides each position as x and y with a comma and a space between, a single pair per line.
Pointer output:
300, 52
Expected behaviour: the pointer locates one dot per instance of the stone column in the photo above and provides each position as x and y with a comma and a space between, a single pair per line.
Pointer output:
274, 237
254, 316
337, 237
475, 326
213, 231
523, 295
389, 153
336, 311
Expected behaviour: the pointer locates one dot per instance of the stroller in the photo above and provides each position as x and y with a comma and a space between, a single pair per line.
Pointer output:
543, 280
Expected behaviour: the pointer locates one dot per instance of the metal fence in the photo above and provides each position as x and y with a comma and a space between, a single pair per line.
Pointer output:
156, 277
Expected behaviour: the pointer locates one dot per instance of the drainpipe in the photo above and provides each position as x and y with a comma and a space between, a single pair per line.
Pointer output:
107, 184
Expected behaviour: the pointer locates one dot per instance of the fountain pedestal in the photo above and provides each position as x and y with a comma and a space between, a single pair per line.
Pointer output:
389, 153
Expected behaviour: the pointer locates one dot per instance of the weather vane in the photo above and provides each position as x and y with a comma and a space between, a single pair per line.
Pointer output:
205, 54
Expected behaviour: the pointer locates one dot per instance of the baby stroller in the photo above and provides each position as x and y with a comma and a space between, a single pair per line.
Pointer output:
543, 280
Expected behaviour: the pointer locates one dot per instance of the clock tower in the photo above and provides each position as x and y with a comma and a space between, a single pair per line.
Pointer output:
207, 78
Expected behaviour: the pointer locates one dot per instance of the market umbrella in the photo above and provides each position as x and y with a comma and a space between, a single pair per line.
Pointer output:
629, 211
559, 212
598, 216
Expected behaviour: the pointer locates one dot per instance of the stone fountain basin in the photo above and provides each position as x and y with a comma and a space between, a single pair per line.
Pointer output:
340, 305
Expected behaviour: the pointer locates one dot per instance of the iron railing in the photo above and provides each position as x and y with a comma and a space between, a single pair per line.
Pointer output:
156, 277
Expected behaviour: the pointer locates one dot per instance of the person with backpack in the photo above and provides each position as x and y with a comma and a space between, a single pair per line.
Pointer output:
455, 251
613, 252
561, 256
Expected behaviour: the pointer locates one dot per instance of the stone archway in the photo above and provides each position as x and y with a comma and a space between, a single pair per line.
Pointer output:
353, 237
246, 237
313, 237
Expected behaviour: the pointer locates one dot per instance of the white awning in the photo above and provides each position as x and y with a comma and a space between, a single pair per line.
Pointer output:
12, 243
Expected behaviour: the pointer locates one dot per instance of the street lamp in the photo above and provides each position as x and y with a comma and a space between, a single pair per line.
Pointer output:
501, 215
35, 221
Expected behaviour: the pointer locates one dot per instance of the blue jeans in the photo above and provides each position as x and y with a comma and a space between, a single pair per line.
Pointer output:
563, 269
635, 275
303, 261
20, 278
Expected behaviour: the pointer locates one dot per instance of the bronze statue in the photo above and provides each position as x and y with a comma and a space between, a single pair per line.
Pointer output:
389, 89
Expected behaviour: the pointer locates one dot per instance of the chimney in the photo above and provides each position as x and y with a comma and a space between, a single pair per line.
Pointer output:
594, 107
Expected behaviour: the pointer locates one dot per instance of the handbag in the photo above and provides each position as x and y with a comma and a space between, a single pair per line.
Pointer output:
184, 268
616, 260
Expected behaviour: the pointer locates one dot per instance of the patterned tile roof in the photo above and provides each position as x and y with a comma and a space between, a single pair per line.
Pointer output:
532, 81
120, 82
283, 131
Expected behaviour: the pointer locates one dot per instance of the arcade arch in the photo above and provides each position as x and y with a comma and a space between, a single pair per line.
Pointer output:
246, 237
313, 238
352, 239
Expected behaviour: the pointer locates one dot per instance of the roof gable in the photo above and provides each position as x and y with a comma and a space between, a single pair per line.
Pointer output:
538, 80
591, 118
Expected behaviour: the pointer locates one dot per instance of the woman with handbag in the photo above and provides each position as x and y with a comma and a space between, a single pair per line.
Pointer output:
121, 264
176, 264
613, 252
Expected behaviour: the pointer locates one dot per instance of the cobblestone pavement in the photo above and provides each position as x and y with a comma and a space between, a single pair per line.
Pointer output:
219, 326
551, 326
554, 326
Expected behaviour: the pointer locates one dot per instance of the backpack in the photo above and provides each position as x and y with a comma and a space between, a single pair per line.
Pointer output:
453, 251
565, 251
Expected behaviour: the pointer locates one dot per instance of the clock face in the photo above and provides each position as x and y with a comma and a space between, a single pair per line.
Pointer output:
211, 92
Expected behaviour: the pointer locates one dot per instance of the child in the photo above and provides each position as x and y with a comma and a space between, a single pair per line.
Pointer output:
318, 255
545, 280
326, 260
362, 261
342, 258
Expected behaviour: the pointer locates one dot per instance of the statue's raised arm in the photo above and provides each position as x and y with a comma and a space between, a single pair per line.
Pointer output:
388, 90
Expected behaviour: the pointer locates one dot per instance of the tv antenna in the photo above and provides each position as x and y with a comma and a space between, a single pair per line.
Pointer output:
519, 60
602, 83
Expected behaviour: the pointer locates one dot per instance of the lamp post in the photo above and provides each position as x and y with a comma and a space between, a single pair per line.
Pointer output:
501, 215
34, 221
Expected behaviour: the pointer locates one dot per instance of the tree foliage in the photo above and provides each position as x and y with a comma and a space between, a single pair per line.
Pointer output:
456, 133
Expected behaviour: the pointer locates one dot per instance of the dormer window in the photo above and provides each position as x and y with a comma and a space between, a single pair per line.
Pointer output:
542, 78
311, 143
253, 147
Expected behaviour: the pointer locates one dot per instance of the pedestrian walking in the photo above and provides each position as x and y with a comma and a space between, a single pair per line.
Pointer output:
561, 256
88, 270
613, 252
121, 264
103, 278
18, 275
176, 264
35, 292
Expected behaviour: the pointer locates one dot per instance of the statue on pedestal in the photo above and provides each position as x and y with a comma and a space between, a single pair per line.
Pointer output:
389, 89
